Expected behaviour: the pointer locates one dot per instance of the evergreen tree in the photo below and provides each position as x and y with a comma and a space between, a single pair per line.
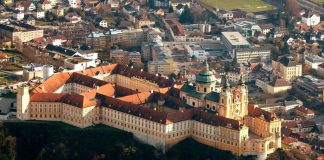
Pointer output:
171, 9
186, 16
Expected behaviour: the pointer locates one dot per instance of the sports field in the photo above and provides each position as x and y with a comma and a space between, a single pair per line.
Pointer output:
245, 5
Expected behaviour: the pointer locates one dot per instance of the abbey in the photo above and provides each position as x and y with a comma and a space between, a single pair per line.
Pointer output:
158, 111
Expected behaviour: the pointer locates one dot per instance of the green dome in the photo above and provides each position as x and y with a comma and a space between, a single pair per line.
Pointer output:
205, 76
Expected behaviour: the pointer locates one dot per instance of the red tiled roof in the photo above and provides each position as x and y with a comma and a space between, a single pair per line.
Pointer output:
304, 110
288, 140
72, 99
279, 82
255, 111
138, 98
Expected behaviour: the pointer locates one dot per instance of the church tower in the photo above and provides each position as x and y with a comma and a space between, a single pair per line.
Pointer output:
240, 95
224, 109
205, 80
23, 99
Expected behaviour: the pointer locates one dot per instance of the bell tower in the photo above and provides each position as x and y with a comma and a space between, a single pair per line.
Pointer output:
241, 99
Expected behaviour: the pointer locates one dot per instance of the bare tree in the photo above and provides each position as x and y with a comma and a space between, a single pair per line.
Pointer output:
293, 8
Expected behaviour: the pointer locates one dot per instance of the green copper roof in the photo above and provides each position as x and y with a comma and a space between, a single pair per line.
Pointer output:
205, 77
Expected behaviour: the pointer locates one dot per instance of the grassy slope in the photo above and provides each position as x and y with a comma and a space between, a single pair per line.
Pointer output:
246, 5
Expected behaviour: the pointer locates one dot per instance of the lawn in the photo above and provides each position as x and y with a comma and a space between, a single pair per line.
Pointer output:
245, 5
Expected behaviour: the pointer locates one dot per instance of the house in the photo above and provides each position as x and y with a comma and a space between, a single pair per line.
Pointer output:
114, 4
266, 28
305, 112
74, 3
18, 15
59, 11
179, 9
19, 6
3, 57
30, 20
57, 40
73, 17
29, 5
159, 12
103, 23
39, 14
45, 5
299, 126
224, 14
314, 61
175, 3
238, 14
311, 18
7, 2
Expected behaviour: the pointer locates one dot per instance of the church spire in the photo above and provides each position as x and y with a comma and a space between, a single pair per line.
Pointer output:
205, 65
227, 84
241, 81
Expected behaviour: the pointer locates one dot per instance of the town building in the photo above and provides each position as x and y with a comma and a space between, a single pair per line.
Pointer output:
79, 63
311, 84
127, 58
314, 61
287, 67
233, 41
163, 67
253, 54
150, 107
20, 32
34, 71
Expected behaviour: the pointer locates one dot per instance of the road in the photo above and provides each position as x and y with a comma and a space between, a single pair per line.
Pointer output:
311, 6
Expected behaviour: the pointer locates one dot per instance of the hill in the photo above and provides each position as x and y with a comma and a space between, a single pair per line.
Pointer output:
58, 141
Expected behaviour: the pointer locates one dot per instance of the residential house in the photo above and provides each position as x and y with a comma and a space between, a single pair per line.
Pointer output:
73, 17
18, 15
224, 14
39, 14
45, 5
311, 18
103, 23
179, 9
59, 11
30, 20
175, 3
29, 6
305, 112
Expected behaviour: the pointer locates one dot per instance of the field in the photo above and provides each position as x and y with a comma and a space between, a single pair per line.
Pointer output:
318, 1
245, 5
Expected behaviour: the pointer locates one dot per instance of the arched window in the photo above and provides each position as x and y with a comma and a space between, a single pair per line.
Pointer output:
205, 89
193, 103
208, 106
271, 145
214, 108
212, 88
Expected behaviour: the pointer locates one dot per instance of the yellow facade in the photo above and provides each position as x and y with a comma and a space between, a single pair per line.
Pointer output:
256, 135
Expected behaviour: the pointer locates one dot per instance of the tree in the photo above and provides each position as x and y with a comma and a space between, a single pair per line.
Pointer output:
293, 7
171, 9
186, 16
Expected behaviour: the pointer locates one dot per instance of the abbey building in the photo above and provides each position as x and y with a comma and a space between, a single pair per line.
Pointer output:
158, 111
